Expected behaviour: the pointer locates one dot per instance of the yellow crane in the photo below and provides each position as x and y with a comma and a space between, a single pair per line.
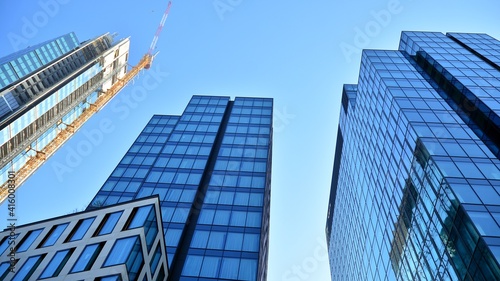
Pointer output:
65, 134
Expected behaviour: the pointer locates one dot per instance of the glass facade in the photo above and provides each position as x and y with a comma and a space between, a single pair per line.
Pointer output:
45, 88
211, 168
63, 248
18, 65
416, 183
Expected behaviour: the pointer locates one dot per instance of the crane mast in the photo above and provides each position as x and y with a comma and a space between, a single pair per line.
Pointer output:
65, 134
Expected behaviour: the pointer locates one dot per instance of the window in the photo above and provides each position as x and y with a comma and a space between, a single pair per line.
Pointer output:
81, 229
187, 196
155, 260
166, 213
238, 218
251, 242
216, 240
180, 215
254, 219
234, 241
28, 240
5, 244
146, 216
192, 266
173, 194
226, 198
229, 268
54, 234
256, 199
221, 217
109, 223
172, 237
248, 270
121, 251
4, 270
241, 198
210, 266
140, 217
200, 239
206, 216
87, 258
56, 264
24, 273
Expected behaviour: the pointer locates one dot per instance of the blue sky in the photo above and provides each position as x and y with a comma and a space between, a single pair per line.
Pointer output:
299, 53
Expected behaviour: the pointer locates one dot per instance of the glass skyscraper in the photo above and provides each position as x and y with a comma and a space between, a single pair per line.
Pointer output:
44, 89
211, 168
415, 191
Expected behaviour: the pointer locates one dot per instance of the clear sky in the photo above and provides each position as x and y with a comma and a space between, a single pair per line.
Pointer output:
297, 52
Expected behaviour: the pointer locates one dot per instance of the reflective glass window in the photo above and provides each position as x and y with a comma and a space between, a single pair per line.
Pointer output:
56, 264
110, 223
253, 219
6, 242
30, 238
86, 258
216, 240
238, 218
192, 265
140, 217
251, 242
4, 270
229, 268
155, 260
241, 198
200, 239
248, 270
172, 237
234, 241
222, 217
54, 234
210, 266
256, 199
206, 216
121, 251
24, 273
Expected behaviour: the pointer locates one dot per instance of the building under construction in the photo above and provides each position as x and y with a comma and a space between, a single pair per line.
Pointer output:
48, 91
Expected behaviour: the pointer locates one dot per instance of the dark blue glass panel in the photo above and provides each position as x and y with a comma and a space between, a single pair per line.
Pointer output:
82, 229
87, 258
55, 234
56, 264
31, 237
120, 251
27, 269
110, 223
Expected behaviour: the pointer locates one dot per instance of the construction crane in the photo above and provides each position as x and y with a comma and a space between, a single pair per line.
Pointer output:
157, 34
65, 134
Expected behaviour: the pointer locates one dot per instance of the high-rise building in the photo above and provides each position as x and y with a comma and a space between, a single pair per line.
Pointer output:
119, 242
415, 191
44, 92
211, 168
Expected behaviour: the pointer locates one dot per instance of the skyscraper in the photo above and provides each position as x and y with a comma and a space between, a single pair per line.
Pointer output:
415, 191
44, 92
211, 168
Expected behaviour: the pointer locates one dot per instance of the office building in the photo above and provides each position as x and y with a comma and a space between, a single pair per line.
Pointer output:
415, 190
46, 91
119, 242
211, 168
